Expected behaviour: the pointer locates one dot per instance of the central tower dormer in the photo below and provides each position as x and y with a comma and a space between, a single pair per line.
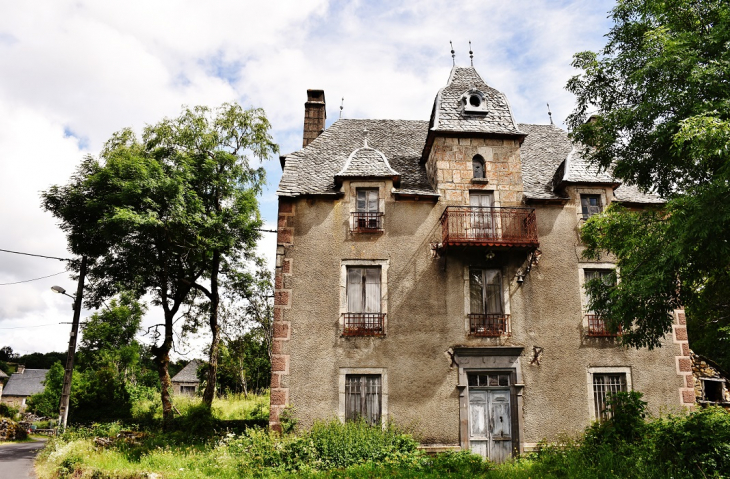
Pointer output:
472, 158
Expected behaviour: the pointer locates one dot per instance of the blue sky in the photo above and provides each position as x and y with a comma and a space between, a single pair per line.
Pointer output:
73, 72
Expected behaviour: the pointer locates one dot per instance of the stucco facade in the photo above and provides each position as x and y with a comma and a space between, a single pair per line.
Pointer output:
435, 370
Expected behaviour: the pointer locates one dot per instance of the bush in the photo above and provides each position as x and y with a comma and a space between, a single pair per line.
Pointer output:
628, 413
8, 411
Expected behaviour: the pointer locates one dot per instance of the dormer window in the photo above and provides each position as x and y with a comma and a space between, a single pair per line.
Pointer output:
477, 166
474, 101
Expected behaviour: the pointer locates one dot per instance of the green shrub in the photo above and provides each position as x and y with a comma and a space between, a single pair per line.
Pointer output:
8, 411
462, 462
627, 421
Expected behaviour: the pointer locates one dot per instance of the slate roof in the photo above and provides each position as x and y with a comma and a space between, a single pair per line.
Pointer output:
368, 162
448, 112
548, 156
2, 374
25, 384
312, 170
188, 374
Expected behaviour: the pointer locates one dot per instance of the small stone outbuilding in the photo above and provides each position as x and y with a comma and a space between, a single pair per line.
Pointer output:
186, 381
22, 385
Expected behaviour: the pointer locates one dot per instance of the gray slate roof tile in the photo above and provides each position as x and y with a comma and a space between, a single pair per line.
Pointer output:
26, 384
448, 114
188, 374
312, 169
366, 161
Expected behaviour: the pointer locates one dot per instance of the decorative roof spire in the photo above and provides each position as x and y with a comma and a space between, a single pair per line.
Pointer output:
471, 54
453, 55
342, 106
550, 114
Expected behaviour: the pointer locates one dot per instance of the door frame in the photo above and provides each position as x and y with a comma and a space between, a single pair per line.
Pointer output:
491, 359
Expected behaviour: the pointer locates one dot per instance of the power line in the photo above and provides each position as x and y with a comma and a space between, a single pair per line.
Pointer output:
34, 279
28, 327
36, 255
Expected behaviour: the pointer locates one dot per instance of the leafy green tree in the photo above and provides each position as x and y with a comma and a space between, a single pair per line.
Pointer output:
157, 215
658, 100
46, 403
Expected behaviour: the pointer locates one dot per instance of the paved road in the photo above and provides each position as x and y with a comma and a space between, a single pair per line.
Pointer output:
16, 460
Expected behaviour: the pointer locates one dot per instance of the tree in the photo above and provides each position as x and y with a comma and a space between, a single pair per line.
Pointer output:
658, 100
143, 215
216, 145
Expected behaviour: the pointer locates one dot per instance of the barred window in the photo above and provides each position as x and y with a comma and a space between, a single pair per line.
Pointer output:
363, 397
603, 386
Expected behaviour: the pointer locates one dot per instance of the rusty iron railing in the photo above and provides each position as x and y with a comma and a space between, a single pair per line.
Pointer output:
597, 327
489, 226
364, 324
367, 222
489, 325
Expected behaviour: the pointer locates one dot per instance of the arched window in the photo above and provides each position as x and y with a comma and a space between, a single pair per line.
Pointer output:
477, 165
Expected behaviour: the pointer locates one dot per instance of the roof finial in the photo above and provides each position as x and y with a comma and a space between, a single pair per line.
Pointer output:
550, 114
342, 106
471, 54
365, 141
453, 55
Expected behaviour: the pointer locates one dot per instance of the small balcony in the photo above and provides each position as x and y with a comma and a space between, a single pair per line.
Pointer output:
489, 325
489, 226
367, 222
597, 328
363, 324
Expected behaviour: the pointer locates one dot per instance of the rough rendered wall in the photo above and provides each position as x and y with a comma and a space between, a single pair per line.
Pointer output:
427, 315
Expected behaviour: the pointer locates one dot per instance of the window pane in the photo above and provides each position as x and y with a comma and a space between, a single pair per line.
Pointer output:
361, 200
363, 395
372, 201
354, 290
372, 290
476, 291
493, 293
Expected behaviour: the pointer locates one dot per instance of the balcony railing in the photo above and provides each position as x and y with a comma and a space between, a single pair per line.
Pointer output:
597, 328
489, 325
489, 226
367, 222
364, 324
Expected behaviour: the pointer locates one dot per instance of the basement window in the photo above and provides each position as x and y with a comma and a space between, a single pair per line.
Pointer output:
712, 390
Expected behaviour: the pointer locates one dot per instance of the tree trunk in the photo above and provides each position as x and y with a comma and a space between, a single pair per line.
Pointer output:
162, 360
209, 392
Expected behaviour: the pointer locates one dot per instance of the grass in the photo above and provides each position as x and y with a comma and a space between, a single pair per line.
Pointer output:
695, 445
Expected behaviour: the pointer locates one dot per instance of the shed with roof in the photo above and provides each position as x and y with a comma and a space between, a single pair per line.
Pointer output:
186, 381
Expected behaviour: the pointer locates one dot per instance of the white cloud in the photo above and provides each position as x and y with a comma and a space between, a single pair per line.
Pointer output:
76, 71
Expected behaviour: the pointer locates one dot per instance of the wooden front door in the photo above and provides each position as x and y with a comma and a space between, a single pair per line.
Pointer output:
490, 421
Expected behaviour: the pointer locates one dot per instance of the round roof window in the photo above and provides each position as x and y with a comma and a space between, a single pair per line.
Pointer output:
475, 100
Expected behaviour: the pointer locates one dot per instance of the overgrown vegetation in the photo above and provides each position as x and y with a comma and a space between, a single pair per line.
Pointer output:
202, 444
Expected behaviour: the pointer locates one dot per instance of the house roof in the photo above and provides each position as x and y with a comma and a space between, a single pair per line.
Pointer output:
312, 170
368, 162
2, 374
448, 111
26, 383
188, 374
548, 156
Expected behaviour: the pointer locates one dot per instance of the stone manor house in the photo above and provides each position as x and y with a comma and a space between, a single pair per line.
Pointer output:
430, 273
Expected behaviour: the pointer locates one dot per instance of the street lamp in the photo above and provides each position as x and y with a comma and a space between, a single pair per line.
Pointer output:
68, 372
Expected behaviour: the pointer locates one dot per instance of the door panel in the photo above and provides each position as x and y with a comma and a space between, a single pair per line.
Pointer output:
490, 423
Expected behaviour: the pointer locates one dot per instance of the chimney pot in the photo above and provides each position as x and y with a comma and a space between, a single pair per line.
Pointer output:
315, 114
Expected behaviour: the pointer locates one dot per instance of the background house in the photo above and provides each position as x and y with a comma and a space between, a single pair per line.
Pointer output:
430, 273
186, 381
23, 384
3, 377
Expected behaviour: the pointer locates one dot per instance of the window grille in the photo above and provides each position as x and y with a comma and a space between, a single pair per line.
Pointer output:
603, 386
363, 397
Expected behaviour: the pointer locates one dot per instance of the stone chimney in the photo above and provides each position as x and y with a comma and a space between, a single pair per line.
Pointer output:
20, 370
315, 114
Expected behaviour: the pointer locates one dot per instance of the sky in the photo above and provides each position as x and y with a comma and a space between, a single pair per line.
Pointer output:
74, 72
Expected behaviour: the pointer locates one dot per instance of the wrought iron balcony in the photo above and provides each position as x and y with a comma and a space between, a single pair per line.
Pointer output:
363, 324
367, 222
489, 226
597, 328
489, 325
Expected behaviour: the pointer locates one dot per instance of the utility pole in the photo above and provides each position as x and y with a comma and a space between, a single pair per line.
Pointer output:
66, 391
